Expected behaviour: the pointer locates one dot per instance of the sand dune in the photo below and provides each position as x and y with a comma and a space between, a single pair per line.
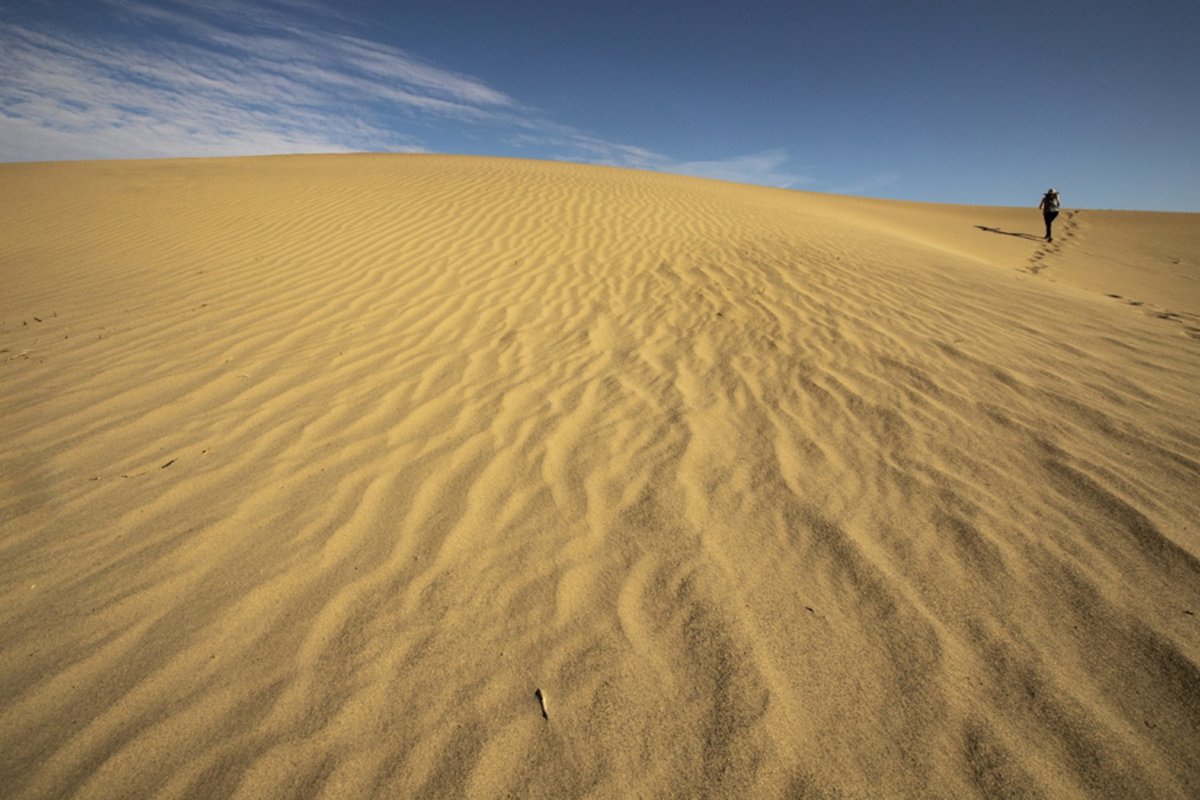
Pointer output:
313, 470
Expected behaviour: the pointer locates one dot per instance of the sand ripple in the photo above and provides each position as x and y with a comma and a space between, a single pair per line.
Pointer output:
313, 470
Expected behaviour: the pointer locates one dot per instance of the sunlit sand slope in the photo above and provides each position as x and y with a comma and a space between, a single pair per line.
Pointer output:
325, 476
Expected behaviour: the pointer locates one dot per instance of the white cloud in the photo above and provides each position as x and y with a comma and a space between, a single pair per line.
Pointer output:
869, 184
766, 168
202, 83
221, 77
567, 144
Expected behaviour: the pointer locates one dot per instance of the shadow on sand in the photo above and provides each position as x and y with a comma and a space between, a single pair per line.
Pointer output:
1028, 236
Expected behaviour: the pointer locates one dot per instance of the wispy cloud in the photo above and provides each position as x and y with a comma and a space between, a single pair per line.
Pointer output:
868, 184
190, 80
223, 77
768, 168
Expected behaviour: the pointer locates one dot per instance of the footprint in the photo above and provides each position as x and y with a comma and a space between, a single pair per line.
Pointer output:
1189, 321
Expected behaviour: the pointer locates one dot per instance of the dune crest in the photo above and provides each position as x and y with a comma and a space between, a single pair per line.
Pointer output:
342, 476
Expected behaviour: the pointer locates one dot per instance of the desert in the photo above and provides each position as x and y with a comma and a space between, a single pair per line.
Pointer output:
446, 476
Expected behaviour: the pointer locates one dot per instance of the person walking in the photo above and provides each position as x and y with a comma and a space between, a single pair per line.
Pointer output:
1049, 207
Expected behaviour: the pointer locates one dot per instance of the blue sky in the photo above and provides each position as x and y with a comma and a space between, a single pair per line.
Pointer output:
958, 102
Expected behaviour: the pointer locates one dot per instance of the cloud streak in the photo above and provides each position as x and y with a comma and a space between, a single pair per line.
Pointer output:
767, 168
182, 81
869, 183
220, 77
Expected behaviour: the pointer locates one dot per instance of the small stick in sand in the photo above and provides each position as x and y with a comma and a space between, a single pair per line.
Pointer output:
541, 697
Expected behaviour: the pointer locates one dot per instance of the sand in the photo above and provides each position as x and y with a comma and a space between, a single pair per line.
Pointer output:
430, 476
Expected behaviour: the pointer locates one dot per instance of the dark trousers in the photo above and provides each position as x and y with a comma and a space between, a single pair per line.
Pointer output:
1049, 217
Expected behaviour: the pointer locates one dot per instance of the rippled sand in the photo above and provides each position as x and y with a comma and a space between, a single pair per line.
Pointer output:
323, 476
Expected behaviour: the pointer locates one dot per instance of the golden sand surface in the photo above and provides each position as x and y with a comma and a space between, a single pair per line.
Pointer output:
326, 476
